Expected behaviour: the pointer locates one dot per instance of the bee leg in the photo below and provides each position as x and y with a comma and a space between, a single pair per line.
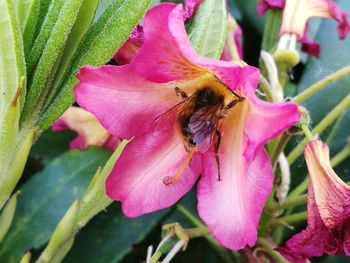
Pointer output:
216, 149
181, 93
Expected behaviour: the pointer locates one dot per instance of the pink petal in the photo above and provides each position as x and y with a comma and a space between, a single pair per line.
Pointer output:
264, 5
297, 13
89, 130
267, 120
308, 46
129, 49
231, 207
191, 7
124, 103
311, 242
331, 193
137, 178
162, 50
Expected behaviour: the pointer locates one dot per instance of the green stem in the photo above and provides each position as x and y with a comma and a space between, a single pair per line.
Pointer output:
301, 188
267, 246
320, 127
272, 29
156, 256
307, 132
322, 84
341, 156
281, 143
197, 232
265, 86
290, 219
289, 202
222, 252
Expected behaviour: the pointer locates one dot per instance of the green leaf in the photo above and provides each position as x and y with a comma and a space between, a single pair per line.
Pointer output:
12, 65
45, 31
46, 197
48, 62
81, 26
100, 43
22, 10
35, 20
208, 28
108, 237
50, 145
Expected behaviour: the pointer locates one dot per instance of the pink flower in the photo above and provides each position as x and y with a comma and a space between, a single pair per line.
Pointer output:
89, 130
128, 50
188, 116
328, 226
296, 13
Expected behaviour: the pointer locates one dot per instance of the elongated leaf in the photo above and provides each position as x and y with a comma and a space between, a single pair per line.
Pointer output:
44, 34
104, 38
208, 29
81, 26
46, 197
47, 64
35, 19
22, 10
12, 65
108, 237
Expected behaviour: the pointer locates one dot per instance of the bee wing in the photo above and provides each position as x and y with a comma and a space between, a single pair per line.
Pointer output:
171, 114
203, 124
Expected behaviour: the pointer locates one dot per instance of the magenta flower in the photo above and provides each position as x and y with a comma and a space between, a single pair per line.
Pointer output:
188, 116
89, 130
296, 13
328, 226
128, 50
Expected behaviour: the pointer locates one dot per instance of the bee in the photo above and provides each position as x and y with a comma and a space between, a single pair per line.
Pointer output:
198, 118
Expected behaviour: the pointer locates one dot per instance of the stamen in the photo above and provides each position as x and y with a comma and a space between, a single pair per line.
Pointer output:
168, 180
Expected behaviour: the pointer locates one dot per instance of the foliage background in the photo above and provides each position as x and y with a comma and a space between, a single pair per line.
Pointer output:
52, 181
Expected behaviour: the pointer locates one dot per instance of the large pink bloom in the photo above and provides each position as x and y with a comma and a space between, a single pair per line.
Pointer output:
161, 164
296, 13
328, 226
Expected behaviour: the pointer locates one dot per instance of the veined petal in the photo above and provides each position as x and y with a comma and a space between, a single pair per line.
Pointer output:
129, 49
137, 179
313, 241
331, 193
88, 128
124, 103
266, 120
162, 51
328, 210
297, 12
231, 207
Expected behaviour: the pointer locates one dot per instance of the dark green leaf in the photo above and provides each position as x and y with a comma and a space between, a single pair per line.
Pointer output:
50, 145
45, 198
110, 236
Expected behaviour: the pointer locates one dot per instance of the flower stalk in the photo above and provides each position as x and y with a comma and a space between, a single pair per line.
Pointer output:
320, 127
322, 84
269, 249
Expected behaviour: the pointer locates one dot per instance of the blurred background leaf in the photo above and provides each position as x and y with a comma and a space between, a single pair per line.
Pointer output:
45, 197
